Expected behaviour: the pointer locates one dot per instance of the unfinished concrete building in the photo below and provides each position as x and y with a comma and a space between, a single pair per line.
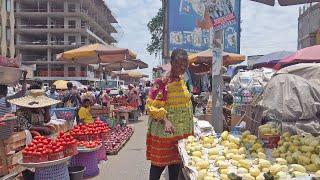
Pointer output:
7, 28
45, 28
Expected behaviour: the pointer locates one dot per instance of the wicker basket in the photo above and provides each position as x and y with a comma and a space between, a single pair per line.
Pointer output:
7, 129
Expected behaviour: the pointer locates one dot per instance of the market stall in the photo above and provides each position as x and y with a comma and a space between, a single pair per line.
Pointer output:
247, 156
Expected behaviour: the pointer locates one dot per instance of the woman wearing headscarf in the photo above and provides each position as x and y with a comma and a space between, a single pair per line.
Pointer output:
171, 118
133, 96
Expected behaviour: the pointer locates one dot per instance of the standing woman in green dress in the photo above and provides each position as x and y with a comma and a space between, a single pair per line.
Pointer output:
171, 118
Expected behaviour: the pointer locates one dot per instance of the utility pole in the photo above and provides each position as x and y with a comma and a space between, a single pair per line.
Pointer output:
217, 59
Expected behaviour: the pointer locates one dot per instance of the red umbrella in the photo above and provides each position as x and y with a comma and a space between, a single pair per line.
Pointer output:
285, 2
306, 55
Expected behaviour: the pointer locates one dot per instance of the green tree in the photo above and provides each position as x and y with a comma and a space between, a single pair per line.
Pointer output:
155, 27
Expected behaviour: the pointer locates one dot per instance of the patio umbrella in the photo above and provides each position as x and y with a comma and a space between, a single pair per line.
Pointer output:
128, 74
126, 65
61, 84
206, 57
306, 55
96, 53
201, 62
285, 2
271, 59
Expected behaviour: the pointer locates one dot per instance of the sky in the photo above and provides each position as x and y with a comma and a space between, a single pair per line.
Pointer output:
265, 29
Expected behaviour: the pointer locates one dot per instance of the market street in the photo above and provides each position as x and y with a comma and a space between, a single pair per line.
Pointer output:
130, 163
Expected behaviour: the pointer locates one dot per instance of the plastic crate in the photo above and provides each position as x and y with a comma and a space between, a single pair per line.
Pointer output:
7, 128
65, 113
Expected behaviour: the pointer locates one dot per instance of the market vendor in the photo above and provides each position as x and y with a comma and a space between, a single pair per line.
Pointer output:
133, 96
84, 113
33, 112
171, 118
106, 99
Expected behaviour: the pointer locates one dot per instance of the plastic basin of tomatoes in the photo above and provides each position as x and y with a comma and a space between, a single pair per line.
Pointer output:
89, 144
43, 149
91, 131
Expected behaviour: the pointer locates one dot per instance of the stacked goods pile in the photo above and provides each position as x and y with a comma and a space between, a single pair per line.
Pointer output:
244, 157
11, 153
43, 149
126, 108
117, 137
9, 68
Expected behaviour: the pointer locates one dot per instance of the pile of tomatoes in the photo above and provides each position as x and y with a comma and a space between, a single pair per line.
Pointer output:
43, 149
92, 131
89, 144
69, 143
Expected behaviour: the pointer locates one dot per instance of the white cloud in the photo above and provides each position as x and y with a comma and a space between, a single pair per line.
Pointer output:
133, 17
264, 28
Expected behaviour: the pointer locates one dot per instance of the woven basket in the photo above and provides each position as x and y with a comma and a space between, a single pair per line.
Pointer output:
7, 129
89, 161
56, 172
101, 153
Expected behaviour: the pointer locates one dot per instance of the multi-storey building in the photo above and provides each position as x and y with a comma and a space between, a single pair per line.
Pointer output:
309, 26
45, 28
7, 28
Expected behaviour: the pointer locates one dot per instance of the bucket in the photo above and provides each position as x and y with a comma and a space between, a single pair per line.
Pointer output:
76, 172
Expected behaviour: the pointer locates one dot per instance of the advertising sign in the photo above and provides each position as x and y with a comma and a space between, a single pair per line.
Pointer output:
190, 26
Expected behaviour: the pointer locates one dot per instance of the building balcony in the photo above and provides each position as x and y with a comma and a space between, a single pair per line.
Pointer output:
60, 74
34, 58
45, 45
57, 73
43, 30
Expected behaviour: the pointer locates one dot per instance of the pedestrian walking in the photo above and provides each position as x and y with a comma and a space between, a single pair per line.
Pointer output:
171, 119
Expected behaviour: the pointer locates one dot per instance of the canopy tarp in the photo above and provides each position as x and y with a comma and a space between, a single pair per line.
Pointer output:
305, 55
97, 53
271, 59
309, 71
295, 101
285, 2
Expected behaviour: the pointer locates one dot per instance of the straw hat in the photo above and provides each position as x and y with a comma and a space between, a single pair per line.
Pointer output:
36, 99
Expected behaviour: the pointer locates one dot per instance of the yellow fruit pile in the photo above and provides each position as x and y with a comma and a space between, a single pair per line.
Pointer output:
245, 157
253, 145
268, 130
302, 150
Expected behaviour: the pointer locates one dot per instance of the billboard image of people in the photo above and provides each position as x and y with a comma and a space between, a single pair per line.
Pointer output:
190, 26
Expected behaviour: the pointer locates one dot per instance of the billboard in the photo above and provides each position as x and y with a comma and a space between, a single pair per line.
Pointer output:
190, 26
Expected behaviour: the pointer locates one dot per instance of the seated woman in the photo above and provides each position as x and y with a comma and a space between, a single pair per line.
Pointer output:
33, 112
84, 112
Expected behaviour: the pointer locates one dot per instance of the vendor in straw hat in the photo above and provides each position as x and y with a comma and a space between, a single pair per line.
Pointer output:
33, 112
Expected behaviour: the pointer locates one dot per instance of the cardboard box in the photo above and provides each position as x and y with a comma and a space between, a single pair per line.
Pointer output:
235, 120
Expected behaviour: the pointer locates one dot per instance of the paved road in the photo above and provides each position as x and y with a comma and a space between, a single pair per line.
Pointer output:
130, 163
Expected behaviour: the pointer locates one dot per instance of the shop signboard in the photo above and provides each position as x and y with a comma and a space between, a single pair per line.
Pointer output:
190, 26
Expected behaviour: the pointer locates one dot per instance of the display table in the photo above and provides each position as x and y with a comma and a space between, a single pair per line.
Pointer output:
127, 115
50, 170
88, 159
